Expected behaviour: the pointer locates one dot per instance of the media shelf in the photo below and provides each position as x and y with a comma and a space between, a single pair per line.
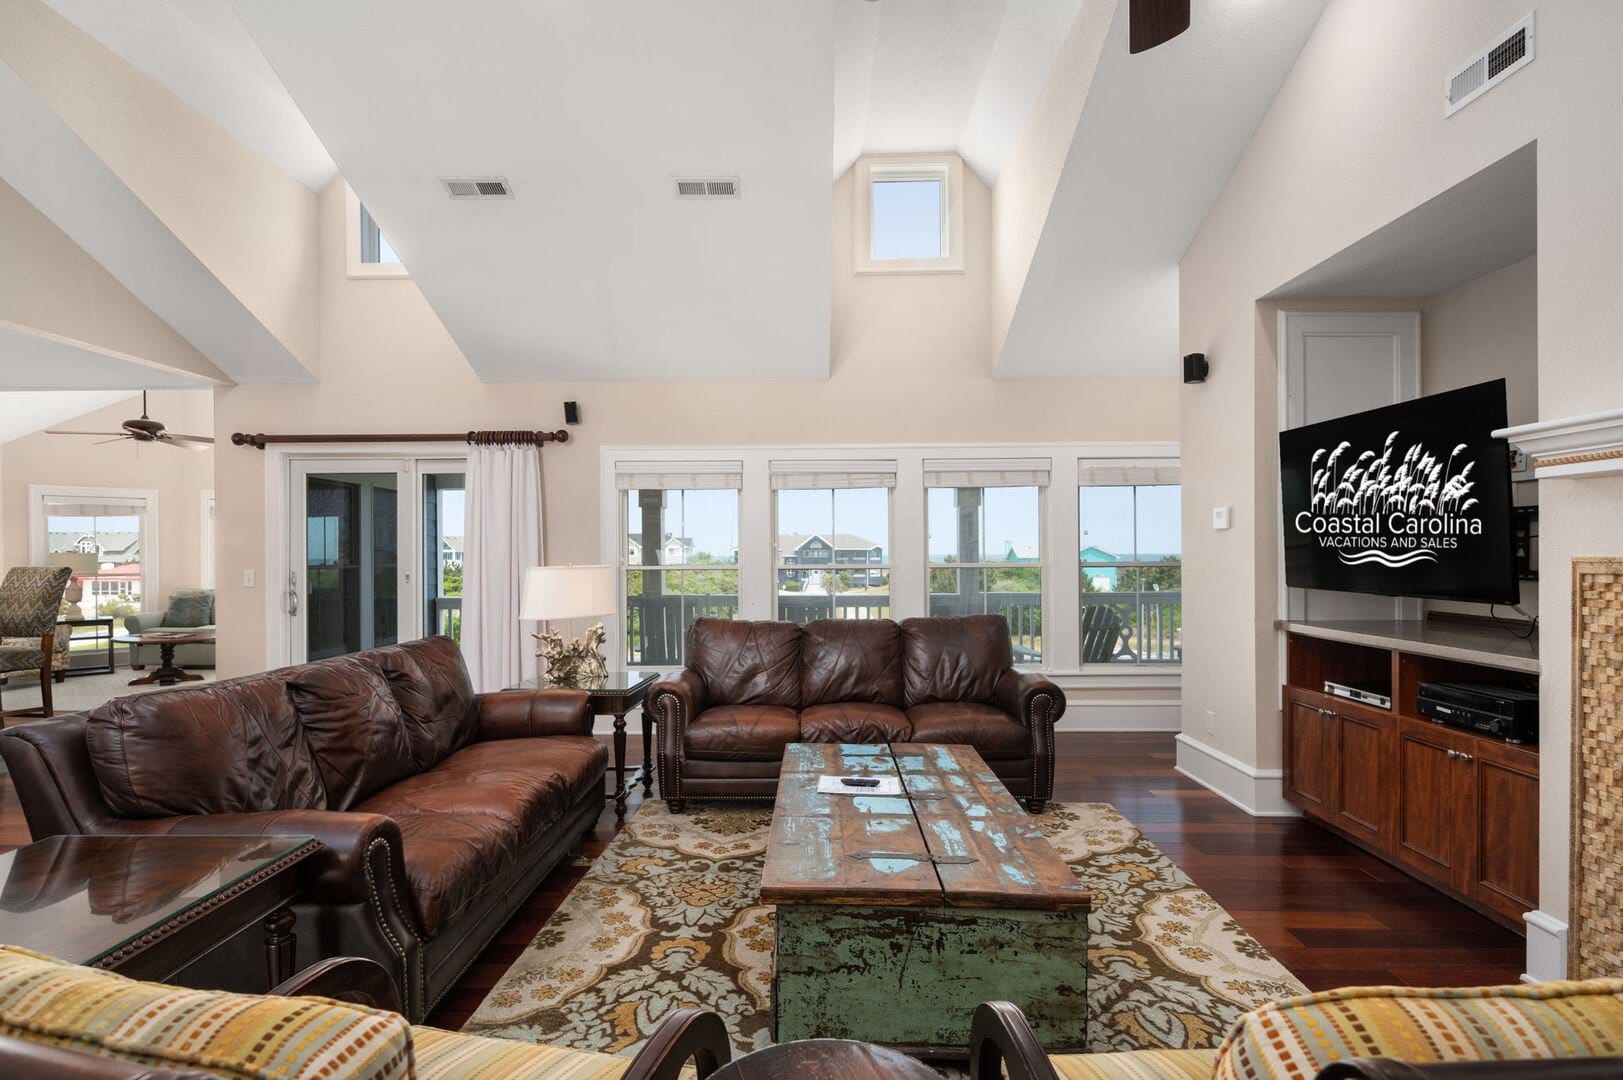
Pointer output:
1454, 808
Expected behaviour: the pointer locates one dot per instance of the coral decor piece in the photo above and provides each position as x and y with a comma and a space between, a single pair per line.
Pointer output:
577, 663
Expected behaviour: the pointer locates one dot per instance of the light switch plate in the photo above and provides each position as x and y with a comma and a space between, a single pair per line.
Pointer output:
247, 579
1220, 517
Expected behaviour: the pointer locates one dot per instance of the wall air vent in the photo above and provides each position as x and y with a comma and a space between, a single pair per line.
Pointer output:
1510, 52
477, 187
707, 187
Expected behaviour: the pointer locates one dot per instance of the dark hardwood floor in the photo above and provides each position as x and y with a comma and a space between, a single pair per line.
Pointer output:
1333, 915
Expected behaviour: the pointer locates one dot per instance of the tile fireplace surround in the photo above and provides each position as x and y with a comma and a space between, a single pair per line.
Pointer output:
1584, 447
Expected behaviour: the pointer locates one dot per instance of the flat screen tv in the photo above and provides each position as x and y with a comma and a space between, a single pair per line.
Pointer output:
1410, 499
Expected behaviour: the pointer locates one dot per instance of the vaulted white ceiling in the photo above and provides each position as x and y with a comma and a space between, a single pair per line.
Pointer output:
200, 52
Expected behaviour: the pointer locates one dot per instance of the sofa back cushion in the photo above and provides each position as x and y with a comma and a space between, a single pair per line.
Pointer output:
746, 663
850, 660
48, 1002
353, 725
221, 748
956, 659
1299, 1036
430, 684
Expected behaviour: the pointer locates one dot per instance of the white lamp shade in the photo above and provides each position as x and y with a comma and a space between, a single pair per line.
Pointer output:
567, 592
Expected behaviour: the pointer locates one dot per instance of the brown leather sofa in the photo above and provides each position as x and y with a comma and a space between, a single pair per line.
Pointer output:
439, 810
752, 688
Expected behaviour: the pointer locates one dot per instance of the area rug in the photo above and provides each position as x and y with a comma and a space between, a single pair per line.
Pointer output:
668, 916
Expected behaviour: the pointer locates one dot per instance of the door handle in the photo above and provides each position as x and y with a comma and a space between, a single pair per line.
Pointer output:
292, 593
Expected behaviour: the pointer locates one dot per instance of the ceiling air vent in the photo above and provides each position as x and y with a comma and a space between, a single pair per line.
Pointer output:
1510, 52
707, 187
477, 187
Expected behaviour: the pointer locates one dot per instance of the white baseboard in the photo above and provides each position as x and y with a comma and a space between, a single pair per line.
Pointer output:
1259, 792
1546, 947
1085, 715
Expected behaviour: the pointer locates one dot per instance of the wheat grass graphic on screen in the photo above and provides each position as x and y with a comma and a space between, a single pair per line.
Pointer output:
1416, 484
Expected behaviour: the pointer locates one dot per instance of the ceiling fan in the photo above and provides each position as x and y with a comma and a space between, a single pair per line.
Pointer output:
145, 430
1155, 22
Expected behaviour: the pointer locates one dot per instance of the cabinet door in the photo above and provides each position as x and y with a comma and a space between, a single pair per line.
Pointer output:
1432, 832
1310, 746
1505, 837
1361, 777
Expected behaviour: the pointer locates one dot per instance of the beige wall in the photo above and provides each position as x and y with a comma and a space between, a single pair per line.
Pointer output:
189, 171
1356, 138
47, 282
179, 476
911, 363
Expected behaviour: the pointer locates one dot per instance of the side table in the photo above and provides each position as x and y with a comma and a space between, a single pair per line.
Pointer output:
147, 906
614, 695
104, 633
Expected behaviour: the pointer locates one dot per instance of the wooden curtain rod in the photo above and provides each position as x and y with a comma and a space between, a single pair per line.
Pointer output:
472, 438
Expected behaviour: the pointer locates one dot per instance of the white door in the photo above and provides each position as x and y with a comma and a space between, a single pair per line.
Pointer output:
1336, 364
351, 550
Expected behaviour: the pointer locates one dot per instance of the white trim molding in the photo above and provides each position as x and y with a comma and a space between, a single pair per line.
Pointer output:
1259, 792
1588, 445
1546, 947
1086, 713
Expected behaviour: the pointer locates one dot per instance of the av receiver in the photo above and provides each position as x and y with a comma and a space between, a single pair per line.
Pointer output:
1504, 712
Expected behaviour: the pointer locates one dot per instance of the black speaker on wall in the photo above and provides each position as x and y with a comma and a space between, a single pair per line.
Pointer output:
571, 412
1195, 367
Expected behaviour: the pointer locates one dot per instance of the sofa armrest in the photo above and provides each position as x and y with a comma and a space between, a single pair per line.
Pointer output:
1001, 1042
38, 1061
685, 1035
673, 703
1505, 1069
527, 714
352, 979
1029, 698
143, 621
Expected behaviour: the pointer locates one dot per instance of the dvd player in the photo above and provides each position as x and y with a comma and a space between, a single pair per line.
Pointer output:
1505, 712
1359, 694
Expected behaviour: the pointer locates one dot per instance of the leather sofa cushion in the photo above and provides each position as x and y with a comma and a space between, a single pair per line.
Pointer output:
227, 747
855, 722
742, 733
467, 820
746, 663
993, 733
353, 726
431, 685
957, 659
850, 660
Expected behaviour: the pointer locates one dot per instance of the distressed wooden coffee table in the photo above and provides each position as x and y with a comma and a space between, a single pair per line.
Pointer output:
897, 915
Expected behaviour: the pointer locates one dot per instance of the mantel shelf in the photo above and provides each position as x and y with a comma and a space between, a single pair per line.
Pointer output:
1589, 445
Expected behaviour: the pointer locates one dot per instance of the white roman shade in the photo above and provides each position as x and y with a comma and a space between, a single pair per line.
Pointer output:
678, 475
93, 506
787, 475
1127, 472
986, 472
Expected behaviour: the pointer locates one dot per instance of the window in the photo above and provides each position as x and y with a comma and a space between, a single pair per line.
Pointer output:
108, 537
985, 547
909, 214
374, 245
444, 524
680, 557
833, 540
1131, 562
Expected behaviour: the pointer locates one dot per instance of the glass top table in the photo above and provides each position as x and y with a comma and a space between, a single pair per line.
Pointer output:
147, 906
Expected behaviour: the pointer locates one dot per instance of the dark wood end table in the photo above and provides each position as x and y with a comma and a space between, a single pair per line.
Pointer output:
167, 673
104, 632
616, 694
147, 906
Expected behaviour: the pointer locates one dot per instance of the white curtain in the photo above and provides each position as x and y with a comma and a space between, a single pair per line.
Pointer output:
504, 540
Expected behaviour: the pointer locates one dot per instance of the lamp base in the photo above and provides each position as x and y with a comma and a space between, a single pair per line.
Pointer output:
578, 663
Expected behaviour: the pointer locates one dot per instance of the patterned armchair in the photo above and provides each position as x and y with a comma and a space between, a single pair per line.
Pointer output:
30, 604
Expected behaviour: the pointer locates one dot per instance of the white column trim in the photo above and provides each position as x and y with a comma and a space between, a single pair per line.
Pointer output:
1259, 792
1546, 947
1596, 439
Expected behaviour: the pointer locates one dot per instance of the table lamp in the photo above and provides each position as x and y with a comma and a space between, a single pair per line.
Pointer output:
566, 593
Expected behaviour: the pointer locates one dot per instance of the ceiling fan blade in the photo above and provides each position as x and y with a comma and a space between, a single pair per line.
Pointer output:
104, 442
59, 431
179, 444
206, 440
1155, 22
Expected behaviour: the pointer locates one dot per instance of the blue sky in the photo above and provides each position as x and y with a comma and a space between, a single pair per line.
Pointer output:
907, 219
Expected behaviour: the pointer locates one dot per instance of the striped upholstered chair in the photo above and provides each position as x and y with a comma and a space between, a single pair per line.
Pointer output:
30, 604
1551, 1030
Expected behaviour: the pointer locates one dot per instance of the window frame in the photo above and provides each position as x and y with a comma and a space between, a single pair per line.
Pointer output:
947, 168
353, 244
627, 568
1043, 549
779, 566
1135, 563
150, 532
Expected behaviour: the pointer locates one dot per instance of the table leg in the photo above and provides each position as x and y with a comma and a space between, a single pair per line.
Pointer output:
647, 753
280, 942
620, 763
167, 673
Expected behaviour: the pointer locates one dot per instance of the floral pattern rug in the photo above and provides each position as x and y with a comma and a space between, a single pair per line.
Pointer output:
668, 916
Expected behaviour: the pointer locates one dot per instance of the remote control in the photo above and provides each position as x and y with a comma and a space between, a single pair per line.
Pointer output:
859, 781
